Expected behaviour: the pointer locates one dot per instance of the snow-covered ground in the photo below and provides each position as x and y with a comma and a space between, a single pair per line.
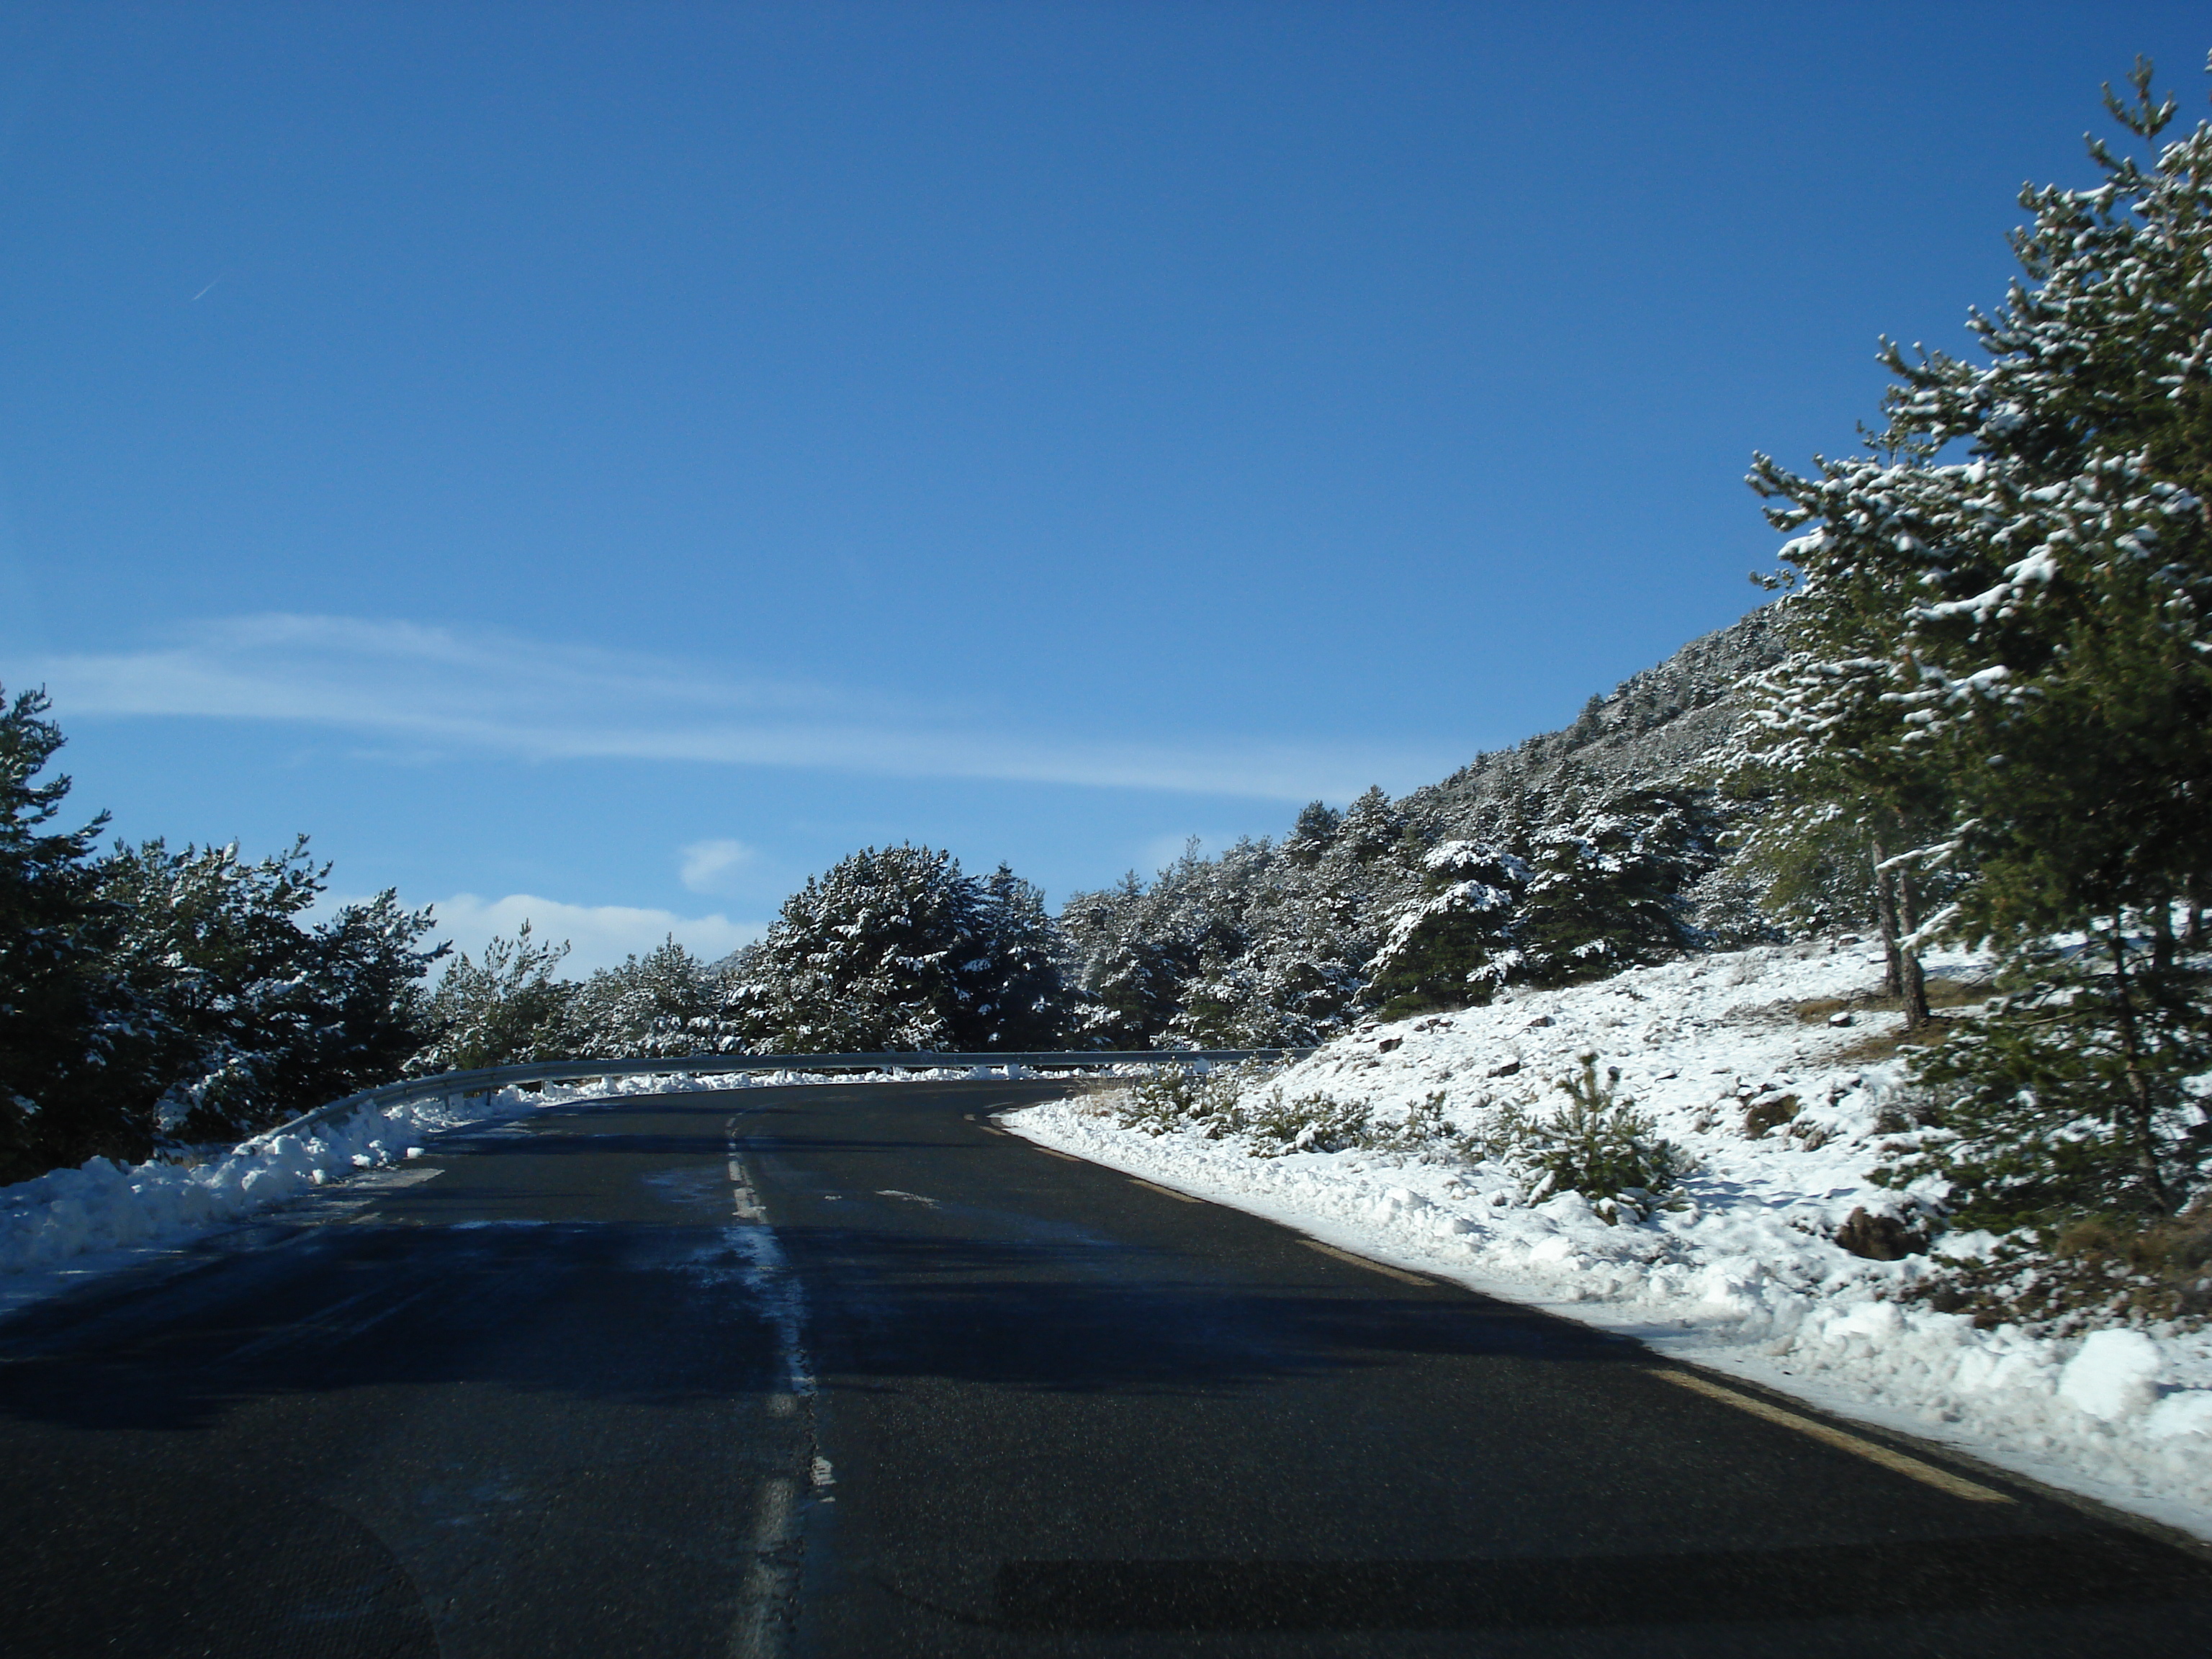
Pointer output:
69, 1225
1746, 1278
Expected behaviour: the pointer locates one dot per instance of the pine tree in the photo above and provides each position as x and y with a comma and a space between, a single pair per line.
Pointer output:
1372, 827
2045, 653
2043, 1122
1020, 997
243, 1017
1606, 888
62, 1016
1316, 832
2047, 597
665, 1004
502, 1008
1125, 975
1456, 944
1834, 796
1156, 962
367, 964
896, 950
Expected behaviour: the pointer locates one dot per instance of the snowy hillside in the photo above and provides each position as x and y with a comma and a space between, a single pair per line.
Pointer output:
1655, 727
1780, 1117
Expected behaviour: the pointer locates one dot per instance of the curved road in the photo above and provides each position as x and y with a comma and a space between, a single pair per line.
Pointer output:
846, 1372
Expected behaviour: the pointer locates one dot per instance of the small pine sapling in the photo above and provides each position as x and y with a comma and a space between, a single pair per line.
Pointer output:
1597, 1145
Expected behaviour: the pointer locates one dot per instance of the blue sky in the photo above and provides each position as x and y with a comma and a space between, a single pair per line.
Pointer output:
606, 462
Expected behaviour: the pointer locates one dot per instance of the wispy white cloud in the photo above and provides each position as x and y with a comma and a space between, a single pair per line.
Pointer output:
444, 690
708, 865
599, 935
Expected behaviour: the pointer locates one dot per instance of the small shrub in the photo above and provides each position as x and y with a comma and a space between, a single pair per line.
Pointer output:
1310, 1123
1174, 1098
2098, 1271
1426, 1130
1597, 1145
1226, 1102
1160, 1103
2071, 1100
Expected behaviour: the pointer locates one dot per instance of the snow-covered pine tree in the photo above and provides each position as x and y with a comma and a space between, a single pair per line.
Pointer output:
1304, 974
368, 964
2049, 651
896, 950
1372, 827
1455, 944
2046, 597
63, 1015
1022, 1000
665, 1004
247, 1017
155, 993
1318, 826
1127, 980
1606, 887
502, 1008
1829, 798
1137, 953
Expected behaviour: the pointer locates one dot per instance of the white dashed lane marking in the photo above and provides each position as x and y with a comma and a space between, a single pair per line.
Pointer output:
770, 1582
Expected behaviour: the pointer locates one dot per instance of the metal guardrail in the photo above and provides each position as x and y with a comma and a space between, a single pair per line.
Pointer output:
487, 1080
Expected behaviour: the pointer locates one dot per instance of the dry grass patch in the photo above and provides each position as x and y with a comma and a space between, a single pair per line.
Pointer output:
1942, 994
1878, 1046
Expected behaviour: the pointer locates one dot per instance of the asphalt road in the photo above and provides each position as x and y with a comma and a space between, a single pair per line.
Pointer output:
847, 1372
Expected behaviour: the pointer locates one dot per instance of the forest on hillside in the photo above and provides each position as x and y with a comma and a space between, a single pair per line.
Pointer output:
159, 996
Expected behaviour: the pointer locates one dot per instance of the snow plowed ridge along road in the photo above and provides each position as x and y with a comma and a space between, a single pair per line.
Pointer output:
621, 1348
1772, 1254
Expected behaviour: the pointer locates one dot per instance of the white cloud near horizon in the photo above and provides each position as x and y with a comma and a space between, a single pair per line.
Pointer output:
706, 863
599, 935
491, 690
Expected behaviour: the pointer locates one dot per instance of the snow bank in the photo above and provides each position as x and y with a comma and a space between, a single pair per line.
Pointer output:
105, 1213
1784, 1125
104, 1205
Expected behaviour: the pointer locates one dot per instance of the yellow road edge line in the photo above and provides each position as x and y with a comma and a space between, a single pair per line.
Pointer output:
1900, 1462
1065, 1157
1361, 1262
1165, 1192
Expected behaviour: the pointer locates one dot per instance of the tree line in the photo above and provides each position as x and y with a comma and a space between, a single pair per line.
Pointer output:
153, 996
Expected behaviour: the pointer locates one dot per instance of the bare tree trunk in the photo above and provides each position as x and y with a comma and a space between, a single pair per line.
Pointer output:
1884, 920
2142, 1109
1912, 984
